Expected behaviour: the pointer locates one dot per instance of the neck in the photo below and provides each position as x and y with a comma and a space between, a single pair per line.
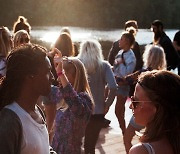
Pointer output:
126, 49
28, 104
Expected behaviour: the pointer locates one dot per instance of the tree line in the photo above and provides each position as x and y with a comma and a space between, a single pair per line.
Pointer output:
91, 13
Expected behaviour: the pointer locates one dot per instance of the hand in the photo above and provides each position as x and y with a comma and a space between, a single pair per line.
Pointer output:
53, 52
58, 60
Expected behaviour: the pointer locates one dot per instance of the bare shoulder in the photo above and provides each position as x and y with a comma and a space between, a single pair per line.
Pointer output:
138, 149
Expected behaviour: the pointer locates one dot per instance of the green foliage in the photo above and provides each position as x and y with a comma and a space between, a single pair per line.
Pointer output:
91, 13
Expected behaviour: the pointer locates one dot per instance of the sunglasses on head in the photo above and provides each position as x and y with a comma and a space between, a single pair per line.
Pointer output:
135, 103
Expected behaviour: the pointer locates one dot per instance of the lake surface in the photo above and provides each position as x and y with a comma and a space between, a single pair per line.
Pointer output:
50, 34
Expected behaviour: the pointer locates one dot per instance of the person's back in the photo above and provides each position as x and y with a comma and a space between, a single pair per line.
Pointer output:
64, 44
21, 24
21, 37
100, 73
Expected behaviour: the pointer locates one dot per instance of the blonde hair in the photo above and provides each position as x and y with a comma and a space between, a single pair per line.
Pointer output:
5, 42
77, 69
91, 55
18, 36
65, 45
154, 57
66, 30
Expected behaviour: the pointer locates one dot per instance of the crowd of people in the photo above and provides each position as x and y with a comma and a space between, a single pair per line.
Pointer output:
56, 101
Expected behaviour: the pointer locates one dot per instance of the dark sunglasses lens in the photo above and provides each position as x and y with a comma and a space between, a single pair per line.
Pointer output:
135, 104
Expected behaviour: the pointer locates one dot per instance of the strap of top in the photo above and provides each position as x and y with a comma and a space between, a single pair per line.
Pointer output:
149, 148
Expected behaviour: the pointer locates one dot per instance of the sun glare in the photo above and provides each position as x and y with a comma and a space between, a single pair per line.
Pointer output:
50, 37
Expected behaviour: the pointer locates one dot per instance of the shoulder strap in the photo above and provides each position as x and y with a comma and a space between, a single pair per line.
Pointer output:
149, 148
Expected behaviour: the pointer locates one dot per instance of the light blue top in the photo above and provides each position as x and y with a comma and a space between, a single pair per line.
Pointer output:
121, 70
97, 82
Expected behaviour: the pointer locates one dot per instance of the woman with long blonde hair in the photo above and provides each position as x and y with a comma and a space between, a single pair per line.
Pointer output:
100, 75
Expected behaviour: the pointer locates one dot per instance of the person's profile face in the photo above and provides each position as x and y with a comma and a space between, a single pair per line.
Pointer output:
43, 78
154, 29
142, 107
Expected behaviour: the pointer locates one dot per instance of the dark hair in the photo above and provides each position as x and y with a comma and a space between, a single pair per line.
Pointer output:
157, 23
20, 24
24, 60
162, 88
177, 38
131, 23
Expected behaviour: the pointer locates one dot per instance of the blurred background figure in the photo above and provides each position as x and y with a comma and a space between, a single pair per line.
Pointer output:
65, 45
6, 44
20, 24
21, 37
66, 30
129, 26
176, 43
162, 39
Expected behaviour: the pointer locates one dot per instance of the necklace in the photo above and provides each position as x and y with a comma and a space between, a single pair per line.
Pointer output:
37, 116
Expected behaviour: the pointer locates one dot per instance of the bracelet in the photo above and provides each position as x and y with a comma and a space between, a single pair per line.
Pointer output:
60, 73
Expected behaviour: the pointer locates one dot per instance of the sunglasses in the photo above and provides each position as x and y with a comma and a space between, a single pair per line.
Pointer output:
135, 103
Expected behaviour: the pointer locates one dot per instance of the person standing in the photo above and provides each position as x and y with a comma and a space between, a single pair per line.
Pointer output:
21, 24
124, 64
162, 39
6, 44
135, 48
156, 106
100, 74
176, 43
73, 106
154, 59
22, 126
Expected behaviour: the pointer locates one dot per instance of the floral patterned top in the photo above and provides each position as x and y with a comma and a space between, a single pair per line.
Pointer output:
70, 124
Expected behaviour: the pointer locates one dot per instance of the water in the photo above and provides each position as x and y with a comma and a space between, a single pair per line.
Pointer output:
50, 34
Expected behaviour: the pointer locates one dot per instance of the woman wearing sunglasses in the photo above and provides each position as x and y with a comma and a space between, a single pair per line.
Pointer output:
153, 58
156, 106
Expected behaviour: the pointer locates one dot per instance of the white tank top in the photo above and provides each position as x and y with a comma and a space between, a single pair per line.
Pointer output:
35, 136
